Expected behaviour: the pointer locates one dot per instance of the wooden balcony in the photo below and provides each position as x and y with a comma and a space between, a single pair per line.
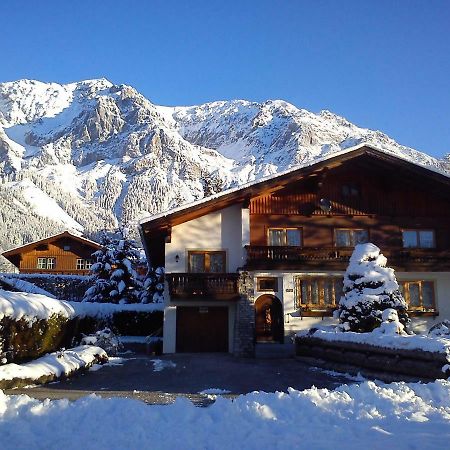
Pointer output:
203, 286
335, 258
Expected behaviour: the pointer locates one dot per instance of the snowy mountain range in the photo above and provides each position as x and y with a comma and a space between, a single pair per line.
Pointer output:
82, 156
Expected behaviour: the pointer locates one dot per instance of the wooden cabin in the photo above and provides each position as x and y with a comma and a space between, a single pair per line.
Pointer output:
270, 256
63, 253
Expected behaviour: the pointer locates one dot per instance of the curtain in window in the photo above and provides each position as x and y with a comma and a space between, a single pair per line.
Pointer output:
217, 263
276, 237
197, 262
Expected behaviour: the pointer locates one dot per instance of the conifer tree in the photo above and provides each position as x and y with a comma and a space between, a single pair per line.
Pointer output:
115, 278
369, 288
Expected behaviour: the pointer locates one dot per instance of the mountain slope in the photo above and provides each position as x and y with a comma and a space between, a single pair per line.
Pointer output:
84, 155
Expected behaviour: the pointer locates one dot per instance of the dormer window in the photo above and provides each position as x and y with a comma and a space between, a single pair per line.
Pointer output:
351, 190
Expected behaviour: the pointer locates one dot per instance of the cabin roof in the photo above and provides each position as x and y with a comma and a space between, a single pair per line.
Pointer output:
53, 238
243, 192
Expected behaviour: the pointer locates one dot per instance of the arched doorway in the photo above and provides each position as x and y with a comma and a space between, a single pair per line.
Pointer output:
269, 319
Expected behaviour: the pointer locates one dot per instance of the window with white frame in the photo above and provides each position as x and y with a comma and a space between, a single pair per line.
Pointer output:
83, 264
46, 263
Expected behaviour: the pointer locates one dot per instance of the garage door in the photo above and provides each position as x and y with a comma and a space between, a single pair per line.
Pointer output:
202, 329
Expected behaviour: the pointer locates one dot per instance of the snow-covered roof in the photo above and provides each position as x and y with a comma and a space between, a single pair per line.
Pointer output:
293, 169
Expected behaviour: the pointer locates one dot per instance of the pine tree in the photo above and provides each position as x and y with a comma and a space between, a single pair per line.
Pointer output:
369, 288
153, 286
115, 277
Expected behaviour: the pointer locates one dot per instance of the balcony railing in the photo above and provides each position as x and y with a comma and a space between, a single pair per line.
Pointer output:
203, 286
266, 257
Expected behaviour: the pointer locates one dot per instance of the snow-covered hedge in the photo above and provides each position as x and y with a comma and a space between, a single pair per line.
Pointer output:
32, 325
51, 367
63, 287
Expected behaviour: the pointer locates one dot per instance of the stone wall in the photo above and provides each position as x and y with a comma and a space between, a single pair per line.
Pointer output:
413, 363
244, 332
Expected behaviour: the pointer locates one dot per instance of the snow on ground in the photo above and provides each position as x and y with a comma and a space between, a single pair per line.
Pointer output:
370, 415
57, 364
159, 364
112, 361
20, 305
215, 391
409, 342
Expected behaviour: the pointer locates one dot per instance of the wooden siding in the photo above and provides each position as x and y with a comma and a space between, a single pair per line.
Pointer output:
65, 260
388, 203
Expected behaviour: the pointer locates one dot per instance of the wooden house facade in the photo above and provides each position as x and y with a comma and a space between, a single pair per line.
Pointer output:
270, 256
63, 253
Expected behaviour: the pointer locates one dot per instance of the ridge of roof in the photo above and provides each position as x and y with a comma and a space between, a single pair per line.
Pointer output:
286, 172
51, 237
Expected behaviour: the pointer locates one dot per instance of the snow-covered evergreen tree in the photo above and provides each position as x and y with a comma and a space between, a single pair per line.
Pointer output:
101, 270
369, 288
153, 285
115, 277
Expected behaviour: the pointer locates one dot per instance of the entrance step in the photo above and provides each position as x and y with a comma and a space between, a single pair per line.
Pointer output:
269, 350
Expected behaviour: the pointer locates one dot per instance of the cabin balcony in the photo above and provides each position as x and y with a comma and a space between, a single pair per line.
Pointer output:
203, 286
335, 258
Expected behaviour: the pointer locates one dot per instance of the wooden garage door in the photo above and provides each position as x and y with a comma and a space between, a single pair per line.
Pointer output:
202, 329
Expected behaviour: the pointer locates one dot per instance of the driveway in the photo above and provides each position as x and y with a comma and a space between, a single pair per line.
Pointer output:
160, 380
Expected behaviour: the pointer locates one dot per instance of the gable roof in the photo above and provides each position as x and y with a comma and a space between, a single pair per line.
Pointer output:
279, 180
55, 237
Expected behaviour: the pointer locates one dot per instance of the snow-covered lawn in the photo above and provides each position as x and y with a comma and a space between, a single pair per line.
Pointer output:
373, 416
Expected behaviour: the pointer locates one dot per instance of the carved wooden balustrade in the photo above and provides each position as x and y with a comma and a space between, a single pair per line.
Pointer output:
290, 257
208, 286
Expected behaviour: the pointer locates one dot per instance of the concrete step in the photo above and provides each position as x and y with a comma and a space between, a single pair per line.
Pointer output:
270, 350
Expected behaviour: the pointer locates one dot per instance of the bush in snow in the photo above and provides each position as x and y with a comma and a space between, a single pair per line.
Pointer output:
441, 329
104, 339
369, 288
153, 286
390, 324
115, 277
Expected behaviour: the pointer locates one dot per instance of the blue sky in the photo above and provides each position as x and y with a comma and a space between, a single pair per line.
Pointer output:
381, 64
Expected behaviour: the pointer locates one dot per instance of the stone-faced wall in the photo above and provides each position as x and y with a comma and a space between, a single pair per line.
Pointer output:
244, 329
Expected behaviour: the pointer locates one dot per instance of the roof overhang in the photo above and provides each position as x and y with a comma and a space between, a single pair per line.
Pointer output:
162, 223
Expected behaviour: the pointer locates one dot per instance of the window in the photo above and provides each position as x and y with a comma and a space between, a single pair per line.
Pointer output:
418, 239
350, 237
319, 293
419, 295
83, 264
267, 284
46, 263
207, 262
350, 190
285, 237
66, 248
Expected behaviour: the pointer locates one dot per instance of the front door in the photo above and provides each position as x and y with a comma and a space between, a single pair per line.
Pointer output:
268, 319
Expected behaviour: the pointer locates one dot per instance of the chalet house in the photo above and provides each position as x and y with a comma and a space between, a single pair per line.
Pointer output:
63, 253
262, 261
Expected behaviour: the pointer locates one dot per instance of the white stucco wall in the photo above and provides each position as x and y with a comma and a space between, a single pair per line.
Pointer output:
294, 323
225, 229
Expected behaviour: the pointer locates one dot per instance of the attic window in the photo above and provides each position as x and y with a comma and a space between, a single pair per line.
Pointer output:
351, 190
66, 248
